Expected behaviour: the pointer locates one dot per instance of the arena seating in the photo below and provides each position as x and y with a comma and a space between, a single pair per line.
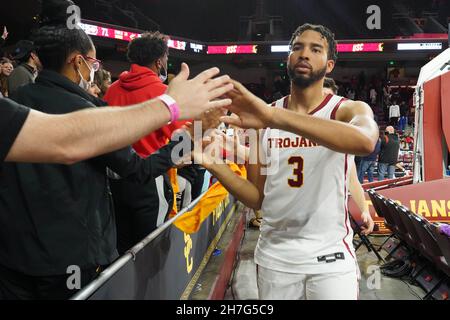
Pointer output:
428, 249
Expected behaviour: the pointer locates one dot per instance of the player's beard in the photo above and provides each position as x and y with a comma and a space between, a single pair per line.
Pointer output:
305, 80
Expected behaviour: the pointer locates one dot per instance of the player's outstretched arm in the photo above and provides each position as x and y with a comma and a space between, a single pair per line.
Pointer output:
354, 132
357, 192
244, 190
249, 192
73, 137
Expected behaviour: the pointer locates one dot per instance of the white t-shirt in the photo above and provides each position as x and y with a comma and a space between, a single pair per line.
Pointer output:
373, 94
394, 111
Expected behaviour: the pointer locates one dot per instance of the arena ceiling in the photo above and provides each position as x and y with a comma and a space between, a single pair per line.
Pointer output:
219, 20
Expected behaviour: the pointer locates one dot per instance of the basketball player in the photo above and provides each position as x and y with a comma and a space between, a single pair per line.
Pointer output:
305, 247
354, 187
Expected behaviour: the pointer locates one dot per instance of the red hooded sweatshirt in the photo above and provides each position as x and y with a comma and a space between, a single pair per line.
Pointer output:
138, 85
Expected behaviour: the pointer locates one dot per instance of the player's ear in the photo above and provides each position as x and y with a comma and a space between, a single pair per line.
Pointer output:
330, 66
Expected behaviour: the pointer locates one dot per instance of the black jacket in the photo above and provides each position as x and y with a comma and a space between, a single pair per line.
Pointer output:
141, 208
54, 216
389, 149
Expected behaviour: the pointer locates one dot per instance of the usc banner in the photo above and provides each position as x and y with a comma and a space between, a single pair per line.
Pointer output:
429, 199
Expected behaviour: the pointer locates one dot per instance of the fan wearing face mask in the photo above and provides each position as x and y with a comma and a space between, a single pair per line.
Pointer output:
145, 80
86, 84
54, 216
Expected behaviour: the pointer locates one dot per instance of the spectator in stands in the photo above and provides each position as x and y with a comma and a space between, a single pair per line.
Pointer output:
367, 164
388, 154
279, 88
404, 109
387, 96
141, 208
362, 79
55, 216
4, 36
330, 84
145, 80
94, 90
6, 68
362, 95
103, 81
27, 71
410, 141
394, 113
351, 93
373, 96
3, 39
403, 145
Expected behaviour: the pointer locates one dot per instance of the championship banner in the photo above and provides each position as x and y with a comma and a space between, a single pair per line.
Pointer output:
429, 199
170, 265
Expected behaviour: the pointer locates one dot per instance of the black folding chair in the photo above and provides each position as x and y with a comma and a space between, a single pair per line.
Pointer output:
378, 204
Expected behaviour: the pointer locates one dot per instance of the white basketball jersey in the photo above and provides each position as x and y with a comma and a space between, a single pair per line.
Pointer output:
306, 226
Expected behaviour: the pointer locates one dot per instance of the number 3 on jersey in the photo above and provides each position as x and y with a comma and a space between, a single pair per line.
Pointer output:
297, 162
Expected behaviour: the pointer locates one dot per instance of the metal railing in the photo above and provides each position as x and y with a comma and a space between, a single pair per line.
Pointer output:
105, 275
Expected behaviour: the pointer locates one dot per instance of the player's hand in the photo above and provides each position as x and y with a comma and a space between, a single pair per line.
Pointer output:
211, 119
236, 151
252, 112
367, 227
211, 151
199, 94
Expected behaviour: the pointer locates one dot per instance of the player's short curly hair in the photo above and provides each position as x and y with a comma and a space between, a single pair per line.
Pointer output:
324, 31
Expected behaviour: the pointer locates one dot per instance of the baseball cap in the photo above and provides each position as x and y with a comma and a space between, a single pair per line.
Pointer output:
23, 48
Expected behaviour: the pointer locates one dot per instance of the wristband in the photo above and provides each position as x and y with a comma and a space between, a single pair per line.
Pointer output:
172, 105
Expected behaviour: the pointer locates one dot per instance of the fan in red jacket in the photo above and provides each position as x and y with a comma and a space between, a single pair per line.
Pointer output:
148, 55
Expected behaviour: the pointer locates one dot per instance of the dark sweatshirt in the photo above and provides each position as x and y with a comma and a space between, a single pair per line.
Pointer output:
53, 216
389, 149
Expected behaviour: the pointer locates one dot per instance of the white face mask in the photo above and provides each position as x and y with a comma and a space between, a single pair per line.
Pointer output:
83, 83
163, 76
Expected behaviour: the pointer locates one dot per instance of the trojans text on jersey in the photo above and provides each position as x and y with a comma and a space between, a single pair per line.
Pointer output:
291, 142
